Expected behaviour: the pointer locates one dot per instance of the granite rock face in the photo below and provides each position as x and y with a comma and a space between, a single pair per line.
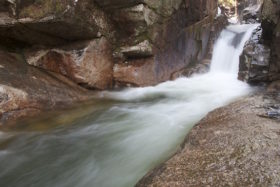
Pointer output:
237, 145
195, 28
104, 44
260, 61
26, 90
255, 60
149, 40
250, 11
271, 34
51, 22
88, 63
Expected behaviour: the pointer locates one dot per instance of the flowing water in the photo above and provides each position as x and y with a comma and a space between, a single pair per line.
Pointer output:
124, 134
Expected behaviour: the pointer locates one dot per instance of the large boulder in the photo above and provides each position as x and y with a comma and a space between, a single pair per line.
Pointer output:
26, 90
51, 22
88, 63
255, 60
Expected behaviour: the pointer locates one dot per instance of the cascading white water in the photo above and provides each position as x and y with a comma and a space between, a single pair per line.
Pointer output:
117, 144
229, 47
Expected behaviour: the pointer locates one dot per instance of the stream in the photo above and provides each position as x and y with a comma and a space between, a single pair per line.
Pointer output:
124, 134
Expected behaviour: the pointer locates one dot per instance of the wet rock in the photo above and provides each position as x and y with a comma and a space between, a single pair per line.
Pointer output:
232, 146
136, 72
200, 68
250, 11
255, 60
26, 90
88, 63
251, 14
187, 50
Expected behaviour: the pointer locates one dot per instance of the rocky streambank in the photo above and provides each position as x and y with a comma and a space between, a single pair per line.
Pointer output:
27, 91
101, 45
54, 54
236, 145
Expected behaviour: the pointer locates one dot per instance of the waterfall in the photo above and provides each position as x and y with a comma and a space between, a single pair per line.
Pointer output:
126, 133
229, 47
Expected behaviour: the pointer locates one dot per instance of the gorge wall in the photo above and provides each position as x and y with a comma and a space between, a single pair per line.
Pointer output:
136, 42
104, 44
260, 61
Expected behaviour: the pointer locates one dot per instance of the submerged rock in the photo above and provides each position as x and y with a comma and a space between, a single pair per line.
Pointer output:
233, 145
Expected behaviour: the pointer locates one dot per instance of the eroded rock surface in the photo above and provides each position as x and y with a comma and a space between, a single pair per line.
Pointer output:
260, 61
255, 60
193, 45
88, 63
237, 145
52, 22
106, 44
164, 37
26, 90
